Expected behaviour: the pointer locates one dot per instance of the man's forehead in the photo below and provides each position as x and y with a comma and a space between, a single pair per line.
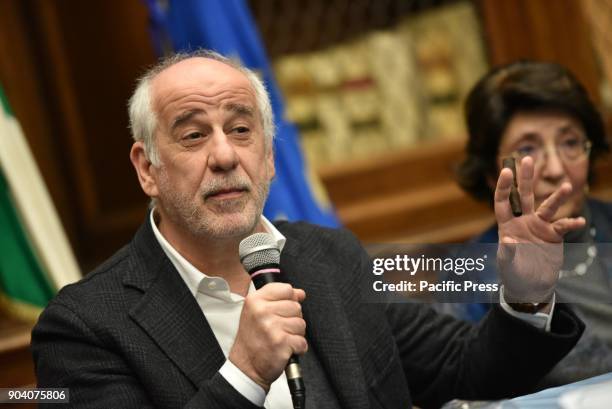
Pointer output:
201, 73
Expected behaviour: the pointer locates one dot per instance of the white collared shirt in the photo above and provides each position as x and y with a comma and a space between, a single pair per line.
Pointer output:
222, 310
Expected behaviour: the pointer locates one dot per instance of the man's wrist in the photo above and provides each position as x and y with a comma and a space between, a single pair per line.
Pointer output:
529, 307
521, 305
243, 384
541, 319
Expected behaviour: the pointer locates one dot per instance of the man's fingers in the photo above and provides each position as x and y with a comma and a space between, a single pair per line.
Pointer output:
298, 344
286, 308
294, 326
567, 224
281, 291
503, 211
299, 295
525, 185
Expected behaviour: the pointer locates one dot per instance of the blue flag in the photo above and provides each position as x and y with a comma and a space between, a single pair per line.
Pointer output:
227, 27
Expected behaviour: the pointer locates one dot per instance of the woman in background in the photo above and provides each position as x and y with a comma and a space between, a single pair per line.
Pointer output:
540, 110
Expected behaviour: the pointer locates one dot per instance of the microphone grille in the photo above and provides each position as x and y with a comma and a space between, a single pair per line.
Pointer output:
258, 249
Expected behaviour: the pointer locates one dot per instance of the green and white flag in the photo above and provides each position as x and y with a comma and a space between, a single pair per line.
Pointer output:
35, 257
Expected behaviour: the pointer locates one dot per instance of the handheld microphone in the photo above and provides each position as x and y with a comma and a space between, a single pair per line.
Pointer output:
260, 256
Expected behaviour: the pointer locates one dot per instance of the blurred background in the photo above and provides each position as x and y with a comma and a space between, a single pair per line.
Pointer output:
375, 88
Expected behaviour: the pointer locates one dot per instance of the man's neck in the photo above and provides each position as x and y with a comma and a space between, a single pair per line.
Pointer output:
216, 257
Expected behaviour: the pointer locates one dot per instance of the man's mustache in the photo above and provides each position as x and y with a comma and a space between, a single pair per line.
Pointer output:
224, 185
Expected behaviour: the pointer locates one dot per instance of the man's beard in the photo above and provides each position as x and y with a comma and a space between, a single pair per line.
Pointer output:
206, 218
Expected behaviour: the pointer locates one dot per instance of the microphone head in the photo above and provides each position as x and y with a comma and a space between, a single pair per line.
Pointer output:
258, 249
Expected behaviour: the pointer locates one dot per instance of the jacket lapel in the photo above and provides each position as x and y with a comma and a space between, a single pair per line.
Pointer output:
328, 330
169, 313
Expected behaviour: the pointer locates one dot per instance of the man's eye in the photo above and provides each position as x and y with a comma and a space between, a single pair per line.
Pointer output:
242, 132
193, 135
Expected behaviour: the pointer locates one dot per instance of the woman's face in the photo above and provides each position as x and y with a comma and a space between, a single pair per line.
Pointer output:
558, 144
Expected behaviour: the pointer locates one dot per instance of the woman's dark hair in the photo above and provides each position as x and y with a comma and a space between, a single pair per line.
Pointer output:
523, 86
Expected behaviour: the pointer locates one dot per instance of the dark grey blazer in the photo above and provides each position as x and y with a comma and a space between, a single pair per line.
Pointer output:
130, 335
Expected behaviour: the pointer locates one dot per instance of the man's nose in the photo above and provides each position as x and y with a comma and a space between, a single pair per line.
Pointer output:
222, 154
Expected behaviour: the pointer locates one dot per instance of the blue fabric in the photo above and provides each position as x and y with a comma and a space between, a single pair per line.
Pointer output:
227, 27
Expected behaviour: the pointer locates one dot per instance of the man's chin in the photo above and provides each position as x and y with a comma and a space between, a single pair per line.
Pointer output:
233, 225
227, 207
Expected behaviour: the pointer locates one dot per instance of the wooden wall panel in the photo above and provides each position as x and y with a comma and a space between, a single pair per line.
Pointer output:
16, 366
20, 78
80, 61
96, 50
543, 30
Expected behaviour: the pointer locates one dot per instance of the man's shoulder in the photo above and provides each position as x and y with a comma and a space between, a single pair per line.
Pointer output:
105, 279
95, 310
310, 241
308, 233
303, 228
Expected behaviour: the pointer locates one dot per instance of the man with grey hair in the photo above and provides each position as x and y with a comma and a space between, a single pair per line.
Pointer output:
173, 321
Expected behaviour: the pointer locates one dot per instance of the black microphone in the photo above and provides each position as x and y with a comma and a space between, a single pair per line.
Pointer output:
260, 256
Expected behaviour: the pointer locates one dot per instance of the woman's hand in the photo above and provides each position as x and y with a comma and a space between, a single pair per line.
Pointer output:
530, 251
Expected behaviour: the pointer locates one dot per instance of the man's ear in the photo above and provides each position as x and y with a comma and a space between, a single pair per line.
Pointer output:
270, 162
144, 169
